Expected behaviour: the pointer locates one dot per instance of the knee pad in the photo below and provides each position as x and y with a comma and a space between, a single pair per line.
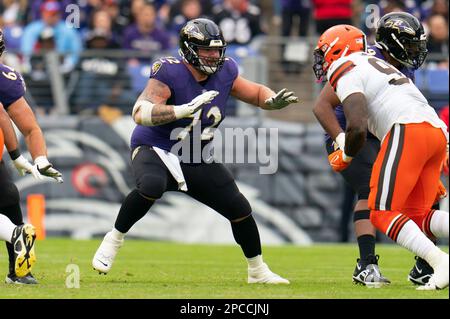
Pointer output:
361, 215
151, 186
238, 207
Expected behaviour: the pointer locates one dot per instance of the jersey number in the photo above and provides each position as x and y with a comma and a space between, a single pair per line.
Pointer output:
10, 75
397, 79
208, 132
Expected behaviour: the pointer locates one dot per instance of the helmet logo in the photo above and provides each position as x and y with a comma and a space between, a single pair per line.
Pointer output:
215, 43
400, 25
155, 67
192, 31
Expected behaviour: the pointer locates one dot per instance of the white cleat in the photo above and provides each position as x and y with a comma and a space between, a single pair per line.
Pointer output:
105, 254
439, 280
263, 275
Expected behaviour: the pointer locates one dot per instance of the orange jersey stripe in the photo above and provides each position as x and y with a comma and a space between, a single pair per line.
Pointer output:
339, 72
395, 230
426, 224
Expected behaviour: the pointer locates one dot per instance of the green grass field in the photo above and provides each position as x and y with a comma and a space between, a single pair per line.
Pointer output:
146, 269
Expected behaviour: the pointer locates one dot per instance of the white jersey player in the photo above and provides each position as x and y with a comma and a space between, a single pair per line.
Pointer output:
405, 175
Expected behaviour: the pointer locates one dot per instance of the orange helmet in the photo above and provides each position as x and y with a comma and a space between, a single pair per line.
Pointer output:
336, 42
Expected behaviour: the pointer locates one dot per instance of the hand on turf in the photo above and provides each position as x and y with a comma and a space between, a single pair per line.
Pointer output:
281, 99
339, 161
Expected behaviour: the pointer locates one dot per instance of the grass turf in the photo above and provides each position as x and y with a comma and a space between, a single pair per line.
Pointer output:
145, 269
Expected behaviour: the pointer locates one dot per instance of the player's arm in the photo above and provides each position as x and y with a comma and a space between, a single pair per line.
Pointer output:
153, 100
22, 115
324, 112
150, 108
355, 109
348, 81
9, 134
12, 144
260, 95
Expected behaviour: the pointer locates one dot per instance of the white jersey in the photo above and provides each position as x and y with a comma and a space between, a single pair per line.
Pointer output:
391, 97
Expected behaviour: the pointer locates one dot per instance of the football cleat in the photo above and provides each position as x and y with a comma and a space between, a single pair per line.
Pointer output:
105, 254
368, 274
263, 275
26, 280
439, 280
421, 272
23, 239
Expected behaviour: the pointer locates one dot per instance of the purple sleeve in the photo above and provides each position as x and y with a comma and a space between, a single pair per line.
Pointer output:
232, 67
12, 86
160, 72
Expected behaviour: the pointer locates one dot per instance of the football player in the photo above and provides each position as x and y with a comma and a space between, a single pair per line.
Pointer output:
15, 108
401, 41
22, 237
180, 94
404, 182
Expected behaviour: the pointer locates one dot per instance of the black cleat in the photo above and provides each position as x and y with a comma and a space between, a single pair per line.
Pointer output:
368, 274
421, 272
26, 280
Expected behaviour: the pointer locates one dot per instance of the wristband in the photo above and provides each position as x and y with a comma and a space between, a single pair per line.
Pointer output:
340, 140
14, 154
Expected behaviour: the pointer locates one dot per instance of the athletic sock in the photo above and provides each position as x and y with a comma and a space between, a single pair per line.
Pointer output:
366, 244
255, 262
6, 228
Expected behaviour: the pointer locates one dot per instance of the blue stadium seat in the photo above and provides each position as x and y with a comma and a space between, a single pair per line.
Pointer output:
139, 76
420, 79
437, 81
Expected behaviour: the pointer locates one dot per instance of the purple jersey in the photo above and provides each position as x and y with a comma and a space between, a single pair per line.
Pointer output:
184, 88
12, 86
375, 51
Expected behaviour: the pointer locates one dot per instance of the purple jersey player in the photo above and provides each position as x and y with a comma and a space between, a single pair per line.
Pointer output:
13, 106
184, 88
401, 41
181, 95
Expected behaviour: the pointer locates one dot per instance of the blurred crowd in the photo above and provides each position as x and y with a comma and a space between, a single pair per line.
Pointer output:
153, 25
146, 28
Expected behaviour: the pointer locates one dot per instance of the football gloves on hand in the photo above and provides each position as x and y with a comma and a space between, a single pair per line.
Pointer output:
281, 99
196, 104
42, 167
22, 165
339, 161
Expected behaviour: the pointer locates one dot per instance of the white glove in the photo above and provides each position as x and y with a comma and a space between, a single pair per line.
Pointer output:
23, 166
192, 107
44, 167
339, 142
281, 99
